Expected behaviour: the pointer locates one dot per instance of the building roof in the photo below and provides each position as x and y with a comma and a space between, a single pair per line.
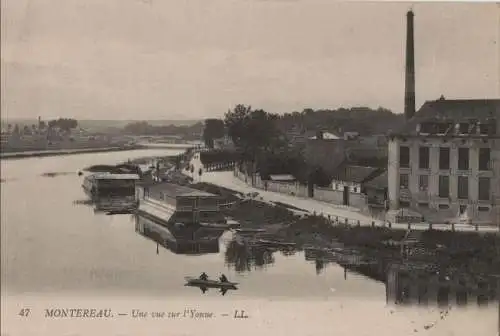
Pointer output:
282, 177
174, 190
379, 182
367, 156
357, 174
326, 136
455, 110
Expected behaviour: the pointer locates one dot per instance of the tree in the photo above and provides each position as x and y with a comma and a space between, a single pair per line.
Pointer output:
253, 132
214, 129
65, 124
319, 177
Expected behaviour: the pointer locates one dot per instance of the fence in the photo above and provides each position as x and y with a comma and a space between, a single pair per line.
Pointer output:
360, 201
327, 195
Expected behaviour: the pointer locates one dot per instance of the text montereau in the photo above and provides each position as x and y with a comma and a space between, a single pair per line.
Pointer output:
77, 312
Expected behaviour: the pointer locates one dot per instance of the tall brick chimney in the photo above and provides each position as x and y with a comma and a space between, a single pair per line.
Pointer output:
410, 68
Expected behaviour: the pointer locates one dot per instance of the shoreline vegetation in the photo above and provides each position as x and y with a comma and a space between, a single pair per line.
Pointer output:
462, 254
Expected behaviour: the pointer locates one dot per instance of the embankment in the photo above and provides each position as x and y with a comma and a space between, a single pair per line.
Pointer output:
465, 252
43, 153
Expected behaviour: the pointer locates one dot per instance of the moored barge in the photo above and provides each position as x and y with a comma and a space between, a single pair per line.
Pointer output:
167, 203
105, 185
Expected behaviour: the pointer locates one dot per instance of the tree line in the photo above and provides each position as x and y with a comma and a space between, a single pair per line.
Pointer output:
63, 124
260, 136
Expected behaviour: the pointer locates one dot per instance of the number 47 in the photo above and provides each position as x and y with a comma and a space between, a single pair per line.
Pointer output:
24, 312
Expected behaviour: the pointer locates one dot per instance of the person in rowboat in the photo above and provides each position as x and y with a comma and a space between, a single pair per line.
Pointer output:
223, 278
204, 276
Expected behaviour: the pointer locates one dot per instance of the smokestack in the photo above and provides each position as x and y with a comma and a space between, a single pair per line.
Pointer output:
410, 68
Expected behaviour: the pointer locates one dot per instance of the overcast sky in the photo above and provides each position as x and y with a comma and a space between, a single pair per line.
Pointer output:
188, 59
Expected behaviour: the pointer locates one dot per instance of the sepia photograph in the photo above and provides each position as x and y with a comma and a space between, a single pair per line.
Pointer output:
250, 167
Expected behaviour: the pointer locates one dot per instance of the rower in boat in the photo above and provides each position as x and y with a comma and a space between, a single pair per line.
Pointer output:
204, 276
223, 278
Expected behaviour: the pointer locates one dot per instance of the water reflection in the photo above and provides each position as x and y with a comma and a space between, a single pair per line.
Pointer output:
423, 285
110, 205
115, 205
189, 239
244, 257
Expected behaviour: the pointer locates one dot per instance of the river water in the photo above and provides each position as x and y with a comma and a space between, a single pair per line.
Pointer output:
57, 252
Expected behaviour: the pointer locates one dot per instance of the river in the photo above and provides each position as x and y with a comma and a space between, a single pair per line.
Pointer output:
54, 250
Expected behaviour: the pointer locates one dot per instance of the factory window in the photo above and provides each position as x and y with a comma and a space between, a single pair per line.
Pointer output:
483, 208
487, 128
484, 188
463, 187
463, 128
423, 182
427, 127
463, 158
404, 181
444, 158
444, 186
443, 206
484, 159
404, 156
442, 128
423, 158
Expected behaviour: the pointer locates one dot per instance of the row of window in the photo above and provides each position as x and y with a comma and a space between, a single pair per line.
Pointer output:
484, 186
464, 128
463, 160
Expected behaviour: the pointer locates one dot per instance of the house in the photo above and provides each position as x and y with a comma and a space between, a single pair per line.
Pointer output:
445, 162
224, 143
327, 152
376, 191
349, 183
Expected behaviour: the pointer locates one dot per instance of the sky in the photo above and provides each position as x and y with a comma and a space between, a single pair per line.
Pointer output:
190, 59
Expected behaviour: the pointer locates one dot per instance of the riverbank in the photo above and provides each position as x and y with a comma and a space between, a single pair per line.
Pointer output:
44, 153
467, 253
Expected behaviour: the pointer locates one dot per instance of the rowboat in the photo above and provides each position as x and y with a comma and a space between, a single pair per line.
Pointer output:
197, 282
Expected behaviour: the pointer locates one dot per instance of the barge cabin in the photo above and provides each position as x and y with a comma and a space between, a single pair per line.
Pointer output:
107, 185
168, 203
